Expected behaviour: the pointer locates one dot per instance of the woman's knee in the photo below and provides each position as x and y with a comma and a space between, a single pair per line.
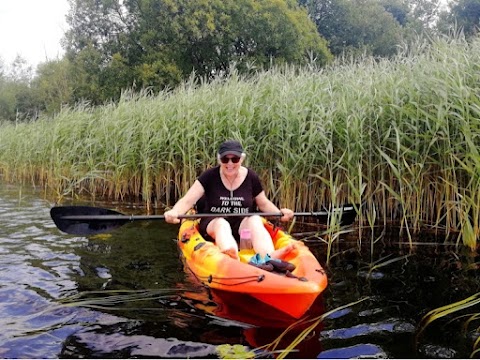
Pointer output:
219, 224
223, 224
254, 221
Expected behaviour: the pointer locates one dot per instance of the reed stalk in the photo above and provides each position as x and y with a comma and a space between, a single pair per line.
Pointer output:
399, 136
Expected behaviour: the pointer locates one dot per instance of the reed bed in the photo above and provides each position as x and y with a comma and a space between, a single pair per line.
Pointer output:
398, 136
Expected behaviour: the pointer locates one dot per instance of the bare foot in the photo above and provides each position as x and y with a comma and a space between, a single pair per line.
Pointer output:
233, 253
282, 252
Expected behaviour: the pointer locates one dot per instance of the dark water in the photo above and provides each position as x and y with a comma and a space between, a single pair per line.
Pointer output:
127, 294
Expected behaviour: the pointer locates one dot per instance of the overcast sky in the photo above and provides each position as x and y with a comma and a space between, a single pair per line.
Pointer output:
32, 29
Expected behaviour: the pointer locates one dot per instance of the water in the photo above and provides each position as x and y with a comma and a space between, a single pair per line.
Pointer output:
139, 301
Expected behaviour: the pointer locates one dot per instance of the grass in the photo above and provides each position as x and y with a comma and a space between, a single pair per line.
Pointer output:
450, 309
399, 136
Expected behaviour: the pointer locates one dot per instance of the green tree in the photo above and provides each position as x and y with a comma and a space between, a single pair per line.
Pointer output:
462, 15
423, 14
52, 85
86, 73
114, 44
17, 101
417, 17
356, 26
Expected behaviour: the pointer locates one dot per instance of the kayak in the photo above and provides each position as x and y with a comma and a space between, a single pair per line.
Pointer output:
292, 293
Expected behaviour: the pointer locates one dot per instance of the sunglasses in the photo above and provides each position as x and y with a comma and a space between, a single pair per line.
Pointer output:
225, 160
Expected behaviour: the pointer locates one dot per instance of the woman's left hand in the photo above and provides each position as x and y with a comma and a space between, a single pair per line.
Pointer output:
287, 214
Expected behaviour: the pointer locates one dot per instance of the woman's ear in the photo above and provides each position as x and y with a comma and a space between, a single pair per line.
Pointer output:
243, 156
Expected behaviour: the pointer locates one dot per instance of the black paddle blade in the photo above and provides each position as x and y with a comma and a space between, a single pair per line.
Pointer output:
348, 218
89, 226
349, 214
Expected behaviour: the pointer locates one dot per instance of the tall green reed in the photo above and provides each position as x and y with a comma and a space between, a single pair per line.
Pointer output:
398, 136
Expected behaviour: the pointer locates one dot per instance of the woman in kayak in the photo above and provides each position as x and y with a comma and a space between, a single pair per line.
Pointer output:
231, 188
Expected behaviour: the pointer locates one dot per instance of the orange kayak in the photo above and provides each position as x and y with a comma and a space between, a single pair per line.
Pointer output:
292, 294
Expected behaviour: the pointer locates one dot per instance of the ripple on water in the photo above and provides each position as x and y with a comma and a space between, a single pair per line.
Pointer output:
359, 351
389, 326
437, 352
142, 345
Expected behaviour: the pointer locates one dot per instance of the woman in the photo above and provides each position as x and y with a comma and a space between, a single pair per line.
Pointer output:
231, 188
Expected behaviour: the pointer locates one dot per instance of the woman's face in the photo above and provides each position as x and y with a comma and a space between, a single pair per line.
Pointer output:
230, 163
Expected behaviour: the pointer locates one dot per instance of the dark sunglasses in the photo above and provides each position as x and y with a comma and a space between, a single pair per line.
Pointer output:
234, 159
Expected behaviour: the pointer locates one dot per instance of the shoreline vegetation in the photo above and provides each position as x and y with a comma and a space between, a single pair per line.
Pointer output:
399, 136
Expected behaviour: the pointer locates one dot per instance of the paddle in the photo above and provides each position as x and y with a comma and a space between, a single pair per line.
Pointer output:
88, 220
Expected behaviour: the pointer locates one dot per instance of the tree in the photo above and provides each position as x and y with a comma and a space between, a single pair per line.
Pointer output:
52, 85
462, 15
417, 17
357, 26
17, 101
398, 8
423, 13
86, 73
157, 43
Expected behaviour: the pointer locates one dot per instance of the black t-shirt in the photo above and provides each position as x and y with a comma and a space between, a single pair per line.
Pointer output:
219, 200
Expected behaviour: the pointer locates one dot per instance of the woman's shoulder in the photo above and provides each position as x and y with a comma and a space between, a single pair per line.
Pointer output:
252, 173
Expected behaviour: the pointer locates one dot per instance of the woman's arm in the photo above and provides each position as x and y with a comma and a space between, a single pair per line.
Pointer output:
193, 194
265, 205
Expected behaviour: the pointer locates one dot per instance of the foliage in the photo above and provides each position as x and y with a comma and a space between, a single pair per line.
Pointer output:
463, 15
357, 26
17, 102
53, 85
117, 44
450, 309
374, 27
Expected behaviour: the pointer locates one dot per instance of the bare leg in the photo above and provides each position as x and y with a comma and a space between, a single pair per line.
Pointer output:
261, 240
281, 253
220, 230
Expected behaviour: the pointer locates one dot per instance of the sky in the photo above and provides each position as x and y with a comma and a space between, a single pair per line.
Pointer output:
32, 29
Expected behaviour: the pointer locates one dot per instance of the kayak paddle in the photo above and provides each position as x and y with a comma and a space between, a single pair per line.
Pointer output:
88, 220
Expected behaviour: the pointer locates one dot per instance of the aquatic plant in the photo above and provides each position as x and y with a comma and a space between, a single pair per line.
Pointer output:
399, 136
236, 351
450, 309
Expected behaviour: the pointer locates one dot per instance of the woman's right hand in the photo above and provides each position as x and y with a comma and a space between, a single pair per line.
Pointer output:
171, 217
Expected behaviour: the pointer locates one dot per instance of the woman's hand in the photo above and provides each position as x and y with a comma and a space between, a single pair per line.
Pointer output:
287, 214
171, 217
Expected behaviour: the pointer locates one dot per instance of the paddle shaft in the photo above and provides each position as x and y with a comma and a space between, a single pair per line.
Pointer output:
188, 216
